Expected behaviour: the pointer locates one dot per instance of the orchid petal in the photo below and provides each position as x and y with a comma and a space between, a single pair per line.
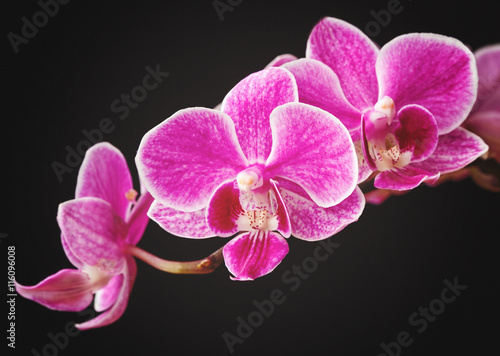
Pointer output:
250, 103
104, 174
93, 232
454, 151
71, 256
404, 178
486, 124
186, 157
418, 130
324, 164
311, 222
67, 290
254, 254
106, 296
184, 224
319, 86
224, 210
281, 59
432, 71
352, 56
488, 67
118, 308
138, 219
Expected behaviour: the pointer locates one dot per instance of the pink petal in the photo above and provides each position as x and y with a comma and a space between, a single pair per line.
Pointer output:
118, 308
67, 290
319, 86
488, 67
404, 178
93, 232
486, 124
254, 254
224, 210
324, 164
138, 219
186, 157
106, 296
281, 59
418, 129
184, 224
453, 152
71, 256
104, 174
311, 222
433, 71
250, 103
351, 54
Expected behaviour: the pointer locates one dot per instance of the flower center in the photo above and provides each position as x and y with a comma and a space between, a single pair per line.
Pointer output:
382, 148
258, 201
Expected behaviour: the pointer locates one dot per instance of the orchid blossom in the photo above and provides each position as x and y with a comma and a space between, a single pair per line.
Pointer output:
261, 164
403, 103
95, 227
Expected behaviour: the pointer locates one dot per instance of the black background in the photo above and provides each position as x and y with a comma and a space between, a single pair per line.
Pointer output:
389, 264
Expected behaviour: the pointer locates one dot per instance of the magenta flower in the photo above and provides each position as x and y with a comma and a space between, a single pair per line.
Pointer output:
264, 163
95, 227
403, 103
484, 119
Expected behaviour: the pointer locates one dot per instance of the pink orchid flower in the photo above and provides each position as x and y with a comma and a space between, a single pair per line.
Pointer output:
95, 227
403, 103
264, 163
484, 119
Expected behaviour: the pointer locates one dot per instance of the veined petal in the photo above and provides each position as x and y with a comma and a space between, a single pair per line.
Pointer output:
67, 290
281, 59
432, 71
319, 86
93, 232
224, 210
488, 67
404, 178
351, 55
184, 224
324, 164
486, 124
71, 256
104, 174
118, 308
106, 296
254, 254
138, 218
250, 103
311, 222
454, 151
418, 130
186, 157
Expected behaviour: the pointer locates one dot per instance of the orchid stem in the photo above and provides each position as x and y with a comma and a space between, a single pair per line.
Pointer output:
203, 266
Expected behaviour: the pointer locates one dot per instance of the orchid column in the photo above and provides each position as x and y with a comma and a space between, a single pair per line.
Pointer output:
263, 164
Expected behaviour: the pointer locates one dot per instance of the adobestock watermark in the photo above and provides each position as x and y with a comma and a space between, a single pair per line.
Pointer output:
31, 26
222, 6
122, 106
422, 317
382, 18
292, 278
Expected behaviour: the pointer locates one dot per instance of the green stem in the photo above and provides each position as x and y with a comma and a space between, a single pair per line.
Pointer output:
203, 266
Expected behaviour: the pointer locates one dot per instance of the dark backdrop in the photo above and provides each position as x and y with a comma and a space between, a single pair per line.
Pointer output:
388, 265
